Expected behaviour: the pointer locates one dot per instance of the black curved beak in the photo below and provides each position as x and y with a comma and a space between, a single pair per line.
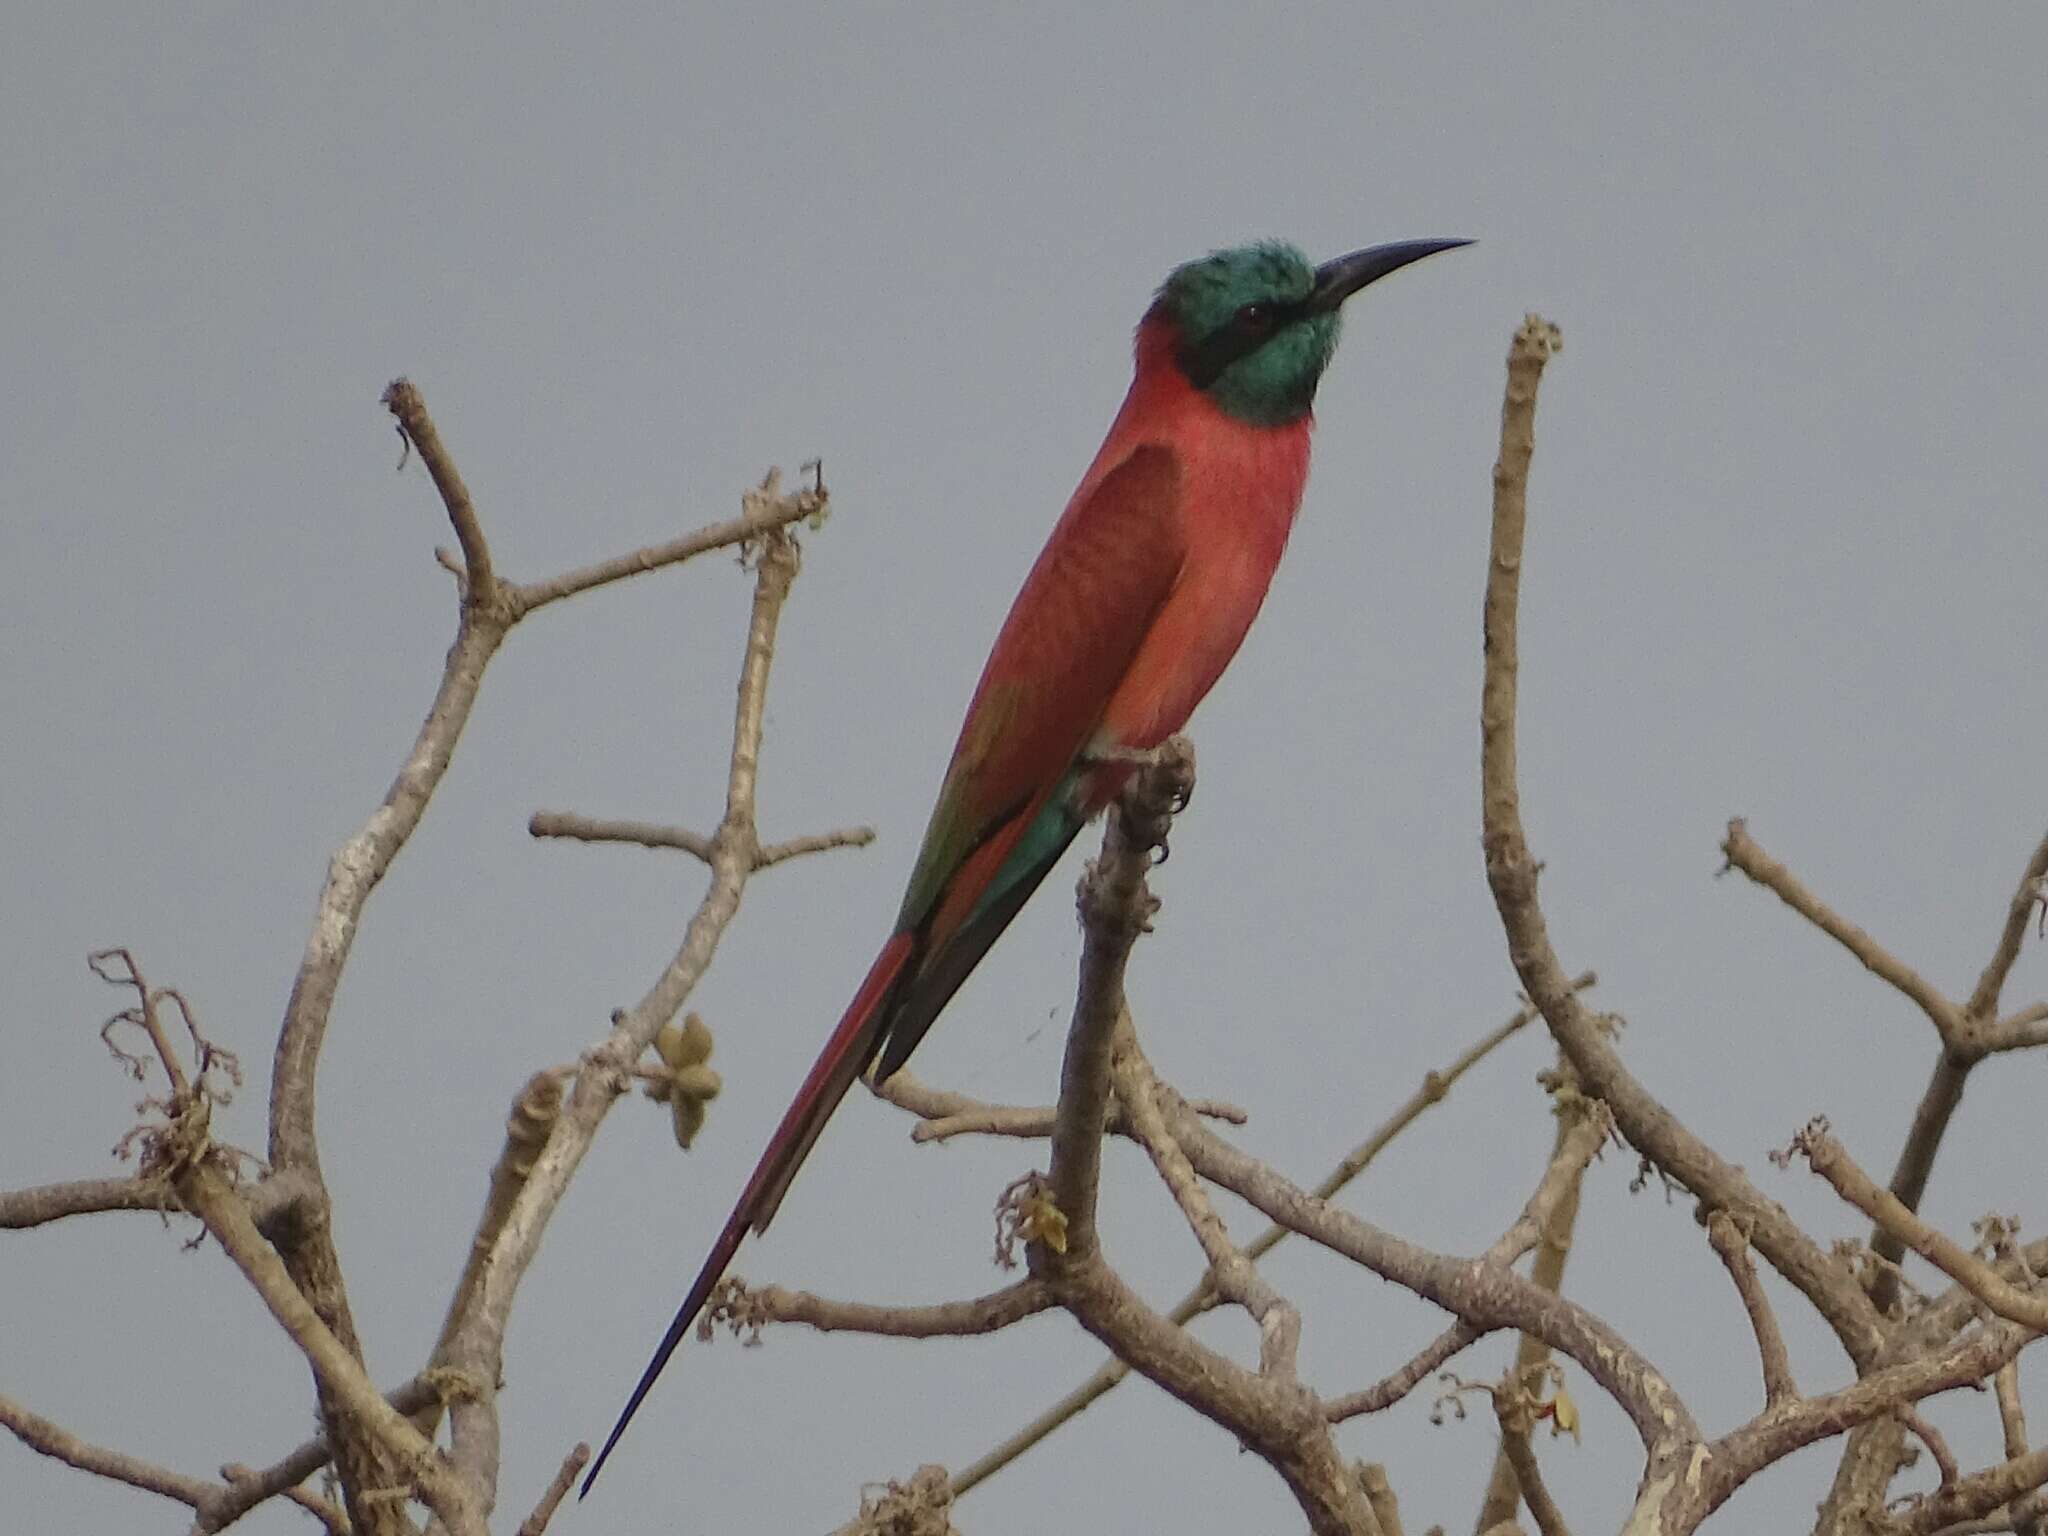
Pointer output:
1338, 279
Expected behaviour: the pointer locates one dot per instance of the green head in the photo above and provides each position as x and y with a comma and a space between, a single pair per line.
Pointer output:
1256, 325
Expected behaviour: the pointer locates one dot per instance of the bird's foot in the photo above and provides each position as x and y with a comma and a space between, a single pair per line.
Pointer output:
1176, 754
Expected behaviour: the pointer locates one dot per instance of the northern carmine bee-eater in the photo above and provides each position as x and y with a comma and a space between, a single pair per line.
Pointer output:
1140, 598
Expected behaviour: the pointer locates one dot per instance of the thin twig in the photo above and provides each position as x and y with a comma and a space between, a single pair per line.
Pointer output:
479, 582
1584, 1127
1379, 1492
645, 834
1745, 854
1521, 1459
944, 1114
2026, 896
763, 514
2019, 1031
2028, 1518
44, 1203
771, 854
649, 834
1230, 1272
532, 1116
216, 1505
558, 1490
52, 1439
1832, 1162
1554, 1241
1405, 1378
1937, 1447
1724, 1234
746, 1307
2012, 1413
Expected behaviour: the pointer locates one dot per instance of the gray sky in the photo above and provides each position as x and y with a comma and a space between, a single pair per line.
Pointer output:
1786, 560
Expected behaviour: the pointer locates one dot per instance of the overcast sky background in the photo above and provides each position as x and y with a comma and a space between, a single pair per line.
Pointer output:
1786, 559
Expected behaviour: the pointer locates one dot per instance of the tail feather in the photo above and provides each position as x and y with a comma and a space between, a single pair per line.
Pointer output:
923, 996
845, 1056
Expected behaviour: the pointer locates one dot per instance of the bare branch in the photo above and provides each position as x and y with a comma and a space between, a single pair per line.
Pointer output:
2019, 1031
1880, 1395
2030, 1515
1872, 1456
767, 512
590, 829
480, 585
216, 1505
945, 1114
340, 1373
1725, 1236
1278, 1418
558, 1490
1553, 1239
1970, 1498
1744, 853
1521, 1458
532, 1117
1832, 1162
771, 854
353, 873
1115, 908
649, 834
1931, 1116
2026, 896
1937, 1447
1397, 1384
1272, 1414
993, 1460
1230, 1272
1967, 1032
1435, 1087
246, 1488
1379, 1493
744, 1308
476, 1343
51, 1439
1511, 871
1485, 1293
2012, 1416
34, 1207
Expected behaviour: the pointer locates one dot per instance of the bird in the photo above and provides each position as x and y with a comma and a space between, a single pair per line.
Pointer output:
1141, 596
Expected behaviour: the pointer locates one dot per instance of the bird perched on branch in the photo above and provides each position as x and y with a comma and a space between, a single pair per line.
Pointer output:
1140, 598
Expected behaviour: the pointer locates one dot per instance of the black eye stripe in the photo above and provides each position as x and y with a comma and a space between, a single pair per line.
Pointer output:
1250, 328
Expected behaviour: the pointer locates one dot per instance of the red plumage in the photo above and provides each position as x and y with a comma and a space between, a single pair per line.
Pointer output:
1142, 595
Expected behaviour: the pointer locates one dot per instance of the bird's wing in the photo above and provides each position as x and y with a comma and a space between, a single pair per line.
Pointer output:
1003, 816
